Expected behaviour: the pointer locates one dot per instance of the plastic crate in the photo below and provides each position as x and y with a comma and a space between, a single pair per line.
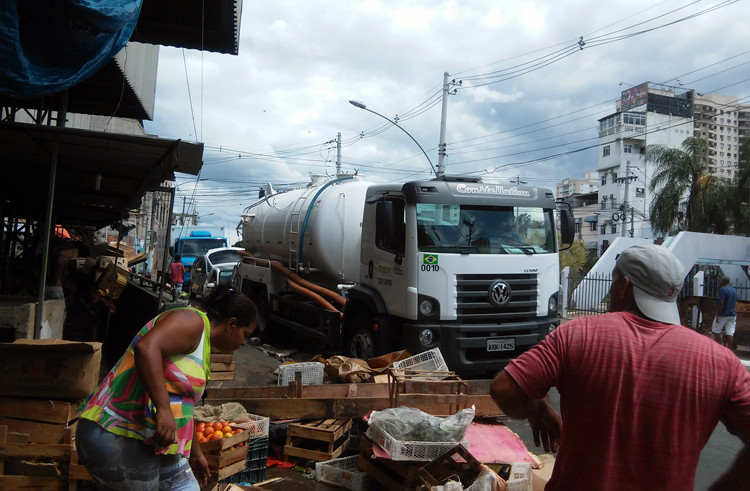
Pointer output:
520, 477
257, 427
417, 451
342, 472
255, 469
431, 360
312, 373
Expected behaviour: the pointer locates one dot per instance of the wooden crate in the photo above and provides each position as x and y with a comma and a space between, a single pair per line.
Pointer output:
321, 439
44, 421
389, 474
222, 366
223, 459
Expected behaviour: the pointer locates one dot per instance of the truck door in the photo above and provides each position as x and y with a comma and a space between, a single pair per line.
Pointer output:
383, 252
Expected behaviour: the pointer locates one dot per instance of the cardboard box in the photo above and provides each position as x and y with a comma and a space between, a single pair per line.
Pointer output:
50, 368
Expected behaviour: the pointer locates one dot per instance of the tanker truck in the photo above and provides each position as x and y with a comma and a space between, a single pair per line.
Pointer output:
368, 268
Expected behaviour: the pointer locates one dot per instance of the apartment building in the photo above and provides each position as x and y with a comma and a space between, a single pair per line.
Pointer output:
646, 114
569, 187
722, 121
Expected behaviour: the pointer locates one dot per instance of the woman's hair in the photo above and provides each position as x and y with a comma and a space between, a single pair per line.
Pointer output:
224, 302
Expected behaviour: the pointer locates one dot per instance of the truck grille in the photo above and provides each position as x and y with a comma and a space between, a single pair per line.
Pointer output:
474, 304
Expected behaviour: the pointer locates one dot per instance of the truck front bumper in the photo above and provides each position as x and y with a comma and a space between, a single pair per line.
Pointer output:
464, 346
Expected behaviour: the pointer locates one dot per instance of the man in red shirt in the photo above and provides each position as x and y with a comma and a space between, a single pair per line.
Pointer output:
177, 274
640, 395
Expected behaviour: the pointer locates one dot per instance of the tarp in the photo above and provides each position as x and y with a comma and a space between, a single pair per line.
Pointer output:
48, 46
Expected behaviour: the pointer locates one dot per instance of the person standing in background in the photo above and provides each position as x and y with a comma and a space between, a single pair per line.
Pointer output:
726, 316
177, 274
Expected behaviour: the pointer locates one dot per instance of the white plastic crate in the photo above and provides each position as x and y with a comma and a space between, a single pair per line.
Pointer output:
431, 360
520, 477
342, 472
404, 450
312, 373
257, 426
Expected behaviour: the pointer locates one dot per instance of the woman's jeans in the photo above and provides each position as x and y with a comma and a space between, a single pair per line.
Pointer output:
122, 463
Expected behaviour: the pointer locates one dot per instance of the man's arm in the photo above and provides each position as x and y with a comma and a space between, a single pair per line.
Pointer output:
545, 422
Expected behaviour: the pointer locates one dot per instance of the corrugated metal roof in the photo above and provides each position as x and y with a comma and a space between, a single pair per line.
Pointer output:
195, 24
128, 165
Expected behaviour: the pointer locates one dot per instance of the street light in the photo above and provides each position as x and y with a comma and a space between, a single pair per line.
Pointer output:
362, 106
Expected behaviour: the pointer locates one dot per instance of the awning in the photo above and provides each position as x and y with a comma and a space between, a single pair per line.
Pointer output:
100, 176
591, 218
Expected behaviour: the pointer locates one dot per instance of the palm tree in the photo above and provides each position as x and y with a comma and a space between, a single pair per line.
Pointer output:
678, 173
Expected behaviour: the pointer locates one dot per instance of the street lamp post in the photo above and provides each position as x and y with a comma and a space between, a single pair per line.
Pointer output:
362, 106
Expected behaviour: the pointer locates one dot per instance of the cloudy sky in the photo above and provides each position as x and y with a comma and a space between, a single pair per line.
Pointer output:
535, 76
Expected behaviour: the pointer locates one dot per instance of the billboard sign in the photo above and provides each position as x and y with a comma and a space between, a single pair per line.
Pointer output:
634, 98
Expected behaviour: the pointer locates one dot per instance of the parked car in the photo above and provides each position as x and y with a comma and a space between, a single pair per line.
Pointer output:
203, 266
221, 273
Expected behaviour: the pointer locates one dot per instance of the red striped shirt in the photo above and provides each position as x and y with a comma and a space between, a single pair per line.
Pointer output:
639, 400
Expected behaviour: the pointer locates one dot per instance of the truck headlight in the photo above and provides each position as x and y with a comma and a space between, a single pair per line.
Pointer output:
426, 337
428, 307
552, 304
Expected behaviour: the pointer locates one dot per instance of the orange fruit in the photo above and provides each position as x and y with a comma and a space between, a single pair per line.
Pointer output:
218, 426
200, 435
201, 426
227, 429
208, 431
214, 437
202, 440
221, 435
227, 435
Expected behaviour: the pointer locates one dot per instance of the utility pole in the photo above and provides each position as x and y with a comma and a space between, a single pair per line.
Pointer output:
443, 122
625, 202
338, 154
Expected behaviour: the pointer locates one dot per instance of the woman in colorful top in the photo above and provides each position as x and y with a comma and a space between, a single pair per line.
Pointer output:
136, 432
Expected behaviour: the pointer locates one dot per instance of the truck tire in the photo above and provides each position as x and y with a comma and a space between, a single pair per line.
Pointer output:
360, 340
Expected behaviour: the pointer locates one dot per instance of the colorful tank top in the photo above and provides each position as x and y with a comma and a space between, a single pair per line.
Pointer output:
122, 406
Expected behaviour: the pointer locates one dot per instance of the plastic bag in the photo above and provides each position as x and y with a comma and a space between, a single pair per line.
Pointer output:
487, 480
410, 424
231, 411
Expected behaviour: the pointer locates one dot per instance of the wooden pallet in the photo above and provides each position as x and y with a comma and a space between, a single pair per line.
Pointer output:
320, 440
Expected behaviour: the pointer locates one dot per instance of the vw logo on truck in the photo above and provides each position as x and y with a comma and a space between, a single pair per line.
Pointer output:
499, 293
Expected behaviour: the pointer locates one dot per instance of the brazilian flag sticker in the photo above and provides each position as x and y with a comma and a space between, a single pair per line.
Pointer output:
429, 259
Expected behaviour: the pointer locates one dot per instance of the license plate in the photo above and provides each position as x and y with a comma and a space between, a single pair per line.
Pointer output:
501, 344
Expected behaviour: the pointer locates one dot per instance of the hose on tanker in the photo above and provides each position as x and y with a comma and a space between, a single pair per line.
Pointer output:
339, 299
311, 294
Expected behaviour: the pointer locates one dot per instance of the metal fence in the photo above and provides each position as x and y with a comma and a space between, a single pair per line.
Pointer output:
590, 295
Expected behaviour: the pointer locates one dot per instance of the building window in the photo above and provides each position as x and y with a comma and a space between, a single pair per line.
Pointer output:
593, 226
604, 179
627, 148
578, 227
614, 178
605, 151
603, 229
613, 228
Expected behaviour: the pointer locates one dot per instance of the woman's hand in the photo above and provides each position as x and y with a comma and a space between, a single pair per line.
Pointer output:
198, 463
166, 429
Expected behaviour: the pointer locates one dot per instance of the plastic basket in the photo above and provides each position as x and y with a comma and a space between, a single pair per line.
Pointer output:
342, 472
255, 467
431, 360
417, 451
520, 477
312, 373
257, 426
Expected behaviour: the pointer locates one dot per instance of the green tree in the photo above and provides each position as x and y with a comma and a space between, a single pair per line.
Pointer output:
678, 173
575, 257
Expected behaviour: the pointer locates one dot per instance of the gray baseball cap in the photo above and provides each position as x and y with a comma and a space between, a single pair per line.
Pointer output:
657, 277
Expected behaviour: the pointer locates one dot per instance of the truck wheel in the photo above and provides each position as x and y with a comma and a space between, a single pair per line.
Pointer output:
360, 342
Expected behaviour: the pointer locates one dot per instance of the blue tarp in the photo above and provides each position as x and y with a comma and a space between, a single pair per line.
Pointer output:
50, 45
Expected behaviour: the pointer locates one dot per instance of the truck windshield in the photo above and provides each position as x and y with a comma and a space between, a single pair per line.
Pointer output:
198, 247
466, 229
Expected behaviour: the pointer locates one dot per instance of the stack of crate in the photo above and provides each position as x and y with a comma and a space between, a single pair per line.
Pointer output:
35, 443
223, 365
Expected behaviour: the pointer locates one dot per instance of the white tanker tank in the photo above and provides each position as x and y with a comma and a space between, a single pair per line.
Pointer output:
326, 216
